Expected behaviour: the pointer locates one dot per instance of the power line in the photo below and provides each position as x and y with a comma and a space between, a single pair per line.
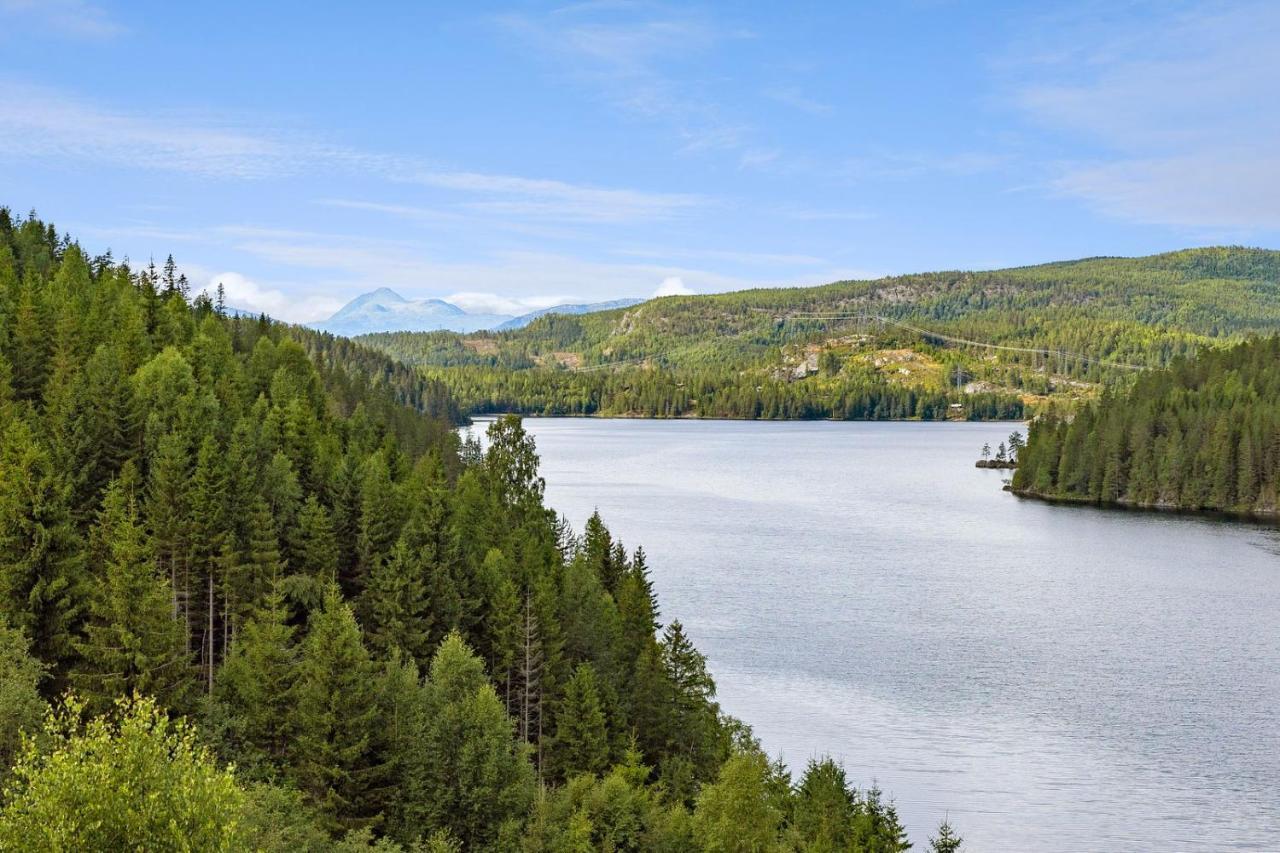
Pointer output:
1048, 353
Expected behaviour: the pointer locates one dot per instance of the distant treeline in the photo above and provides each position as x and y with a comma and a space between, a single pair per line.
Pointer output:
740, 354
640, 392
1202, 434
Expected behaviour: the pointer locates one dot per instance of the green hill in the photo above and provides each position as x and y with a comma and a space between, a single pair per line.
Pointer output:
866, 349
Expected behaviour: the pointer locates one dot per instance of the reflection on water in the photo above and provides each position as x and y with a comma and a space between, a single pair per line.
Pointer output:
1053, 678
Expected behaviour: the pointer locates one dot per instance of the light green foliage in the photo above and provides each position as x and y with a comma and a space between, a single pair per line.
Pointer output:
737, 354
736, 814
135, 781
21, 707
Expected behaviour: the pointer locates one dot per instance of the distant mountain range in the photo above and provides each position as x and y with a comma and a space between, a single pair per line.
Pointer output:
384, 310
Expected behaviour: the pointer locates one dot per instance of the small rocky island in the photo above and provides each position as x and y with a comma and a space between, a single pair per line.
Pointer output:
1006, 455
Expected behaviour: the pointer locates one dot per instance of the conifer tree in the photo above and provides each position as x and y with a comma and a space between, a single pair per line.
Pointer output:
21, 707
469, 778
315, 547
826, 809
335, 715
253, 689
581, 740
132, 642
946, 841
394, 608
41, 564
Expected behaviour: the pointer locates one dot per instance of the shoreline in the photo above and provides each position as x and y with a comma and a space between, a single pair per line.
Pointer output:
1260, 517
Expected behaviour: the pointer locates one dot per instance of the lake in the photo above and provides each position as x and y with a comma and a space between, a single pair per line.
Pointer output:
1053, 678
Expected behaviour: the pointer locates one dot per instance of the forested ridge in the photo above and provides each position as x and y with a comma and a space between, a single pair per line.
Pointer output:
1203, 433
751, 354
254, 594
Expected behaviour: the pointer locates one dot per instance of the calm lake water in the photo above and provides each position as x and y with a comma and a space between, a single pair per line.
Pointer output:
1052, 678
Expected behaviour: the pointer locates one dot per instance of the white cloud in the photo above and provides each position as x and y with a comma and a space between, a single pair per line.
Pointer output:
1182, 105
248, 295
493, 303
673, 285
74, 18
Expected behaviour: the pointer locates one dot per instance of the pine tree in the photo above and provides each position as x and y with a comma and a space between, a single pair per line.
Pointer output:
380, 518
132, 642
21, 707
314, 549
581, 740
260, 567
335, 717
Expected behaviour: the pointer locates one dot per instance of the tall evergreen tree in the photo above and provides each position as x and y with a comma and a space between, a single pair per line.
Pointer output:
132, 642
581, 740
335, 712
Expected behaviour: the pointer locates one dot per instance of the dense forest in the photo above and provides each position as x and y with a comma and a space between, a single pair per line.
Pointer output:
1203, 433
869, 349
254, 594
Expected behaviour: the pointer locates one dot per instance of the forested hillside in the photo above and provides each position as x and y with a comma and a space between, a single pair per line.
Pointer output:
860, 352
1202, 434
253, 595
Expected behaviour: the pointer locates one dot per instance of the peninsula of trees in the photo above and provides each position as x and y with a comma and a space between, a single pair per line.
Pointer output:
1202, 434
887, 349
254, 595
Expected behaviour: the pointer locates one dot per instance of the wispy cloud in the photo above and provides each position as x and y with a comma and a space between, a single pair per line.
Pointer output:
36, 122
1181, 106
41, 123
626, 52
72, 18
745, 258
794, 96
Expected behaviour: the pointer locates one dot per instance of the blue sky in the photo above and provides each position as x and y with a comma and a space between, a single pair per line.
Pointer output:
510, 156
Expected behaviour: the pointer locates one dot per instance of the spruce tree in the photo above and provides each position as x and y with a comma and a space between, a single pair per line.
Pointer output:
581, 740
394, 609
468, 776
334, 720
132, 642
253, 691
41, 564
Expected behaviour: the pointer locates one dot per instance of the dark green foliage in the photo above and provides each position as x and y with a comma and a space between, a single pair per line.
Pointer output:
946, 841
580, 743
1201, 434
132, 642
334, 718
192, 503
